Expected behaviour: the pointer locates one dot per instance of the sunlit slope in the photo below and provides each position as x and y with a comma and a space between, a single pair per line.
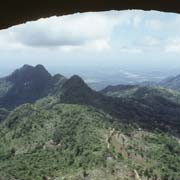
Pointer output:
50, 139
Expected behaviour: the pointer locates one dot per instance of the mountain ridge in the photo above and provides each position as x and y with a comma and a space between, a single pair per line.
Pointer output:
149, 107
26, 85
171, 82
74, 132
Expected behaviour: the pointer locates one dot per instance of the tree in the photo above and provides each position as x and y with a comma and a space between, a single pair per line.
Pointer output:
57, 136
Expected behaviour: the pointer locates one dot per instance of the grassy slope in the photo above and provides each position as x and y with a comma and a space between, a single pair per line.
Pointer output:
3, 114
143, 92
61, 140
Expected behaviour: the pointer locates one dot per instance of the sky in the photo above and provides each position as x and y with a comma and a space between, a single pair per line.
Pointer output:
132, 39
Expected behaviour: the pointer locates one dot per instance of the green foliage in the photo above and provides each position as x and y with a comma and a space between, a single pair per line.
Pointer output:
3, 114
37, 141
57, 136
61, 140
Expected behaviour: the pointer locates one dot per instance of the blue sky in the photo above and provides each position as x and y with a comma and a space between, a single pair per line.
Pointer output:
116, 38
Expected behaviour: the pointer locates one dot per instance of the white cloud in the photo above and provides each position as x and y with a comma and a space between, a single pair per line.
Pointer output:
137, 20
149, 41
8, 41
92, 32
173, 45
72, 30
99, 45
130, 50
83, 32
154, 24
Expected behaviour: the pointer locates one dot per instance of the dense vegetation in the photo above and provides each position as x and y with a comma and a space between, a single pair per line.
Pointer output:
3, 114
73, 132
153, 107
50, 139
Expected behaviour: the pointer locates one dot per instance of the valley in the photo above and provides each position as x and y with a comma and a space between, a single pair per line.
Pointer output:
57, 128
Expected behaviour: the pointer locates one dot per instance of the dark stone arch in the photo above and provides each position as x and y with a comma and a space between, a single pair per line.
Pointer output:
14, 12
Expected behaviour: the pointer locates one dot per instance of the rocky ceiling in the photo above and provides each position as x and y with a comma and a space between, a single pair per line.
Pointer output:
14, 12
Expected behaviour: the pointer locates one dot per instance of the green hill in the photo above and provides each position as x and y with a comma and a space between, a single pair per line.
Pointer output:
63, 141
135, 91
57, 128
3, 114
149, 107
